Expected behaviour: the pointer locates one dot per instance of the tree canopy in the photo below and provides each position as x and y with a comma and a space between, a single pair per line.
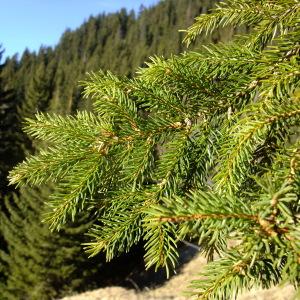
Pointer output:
201, 146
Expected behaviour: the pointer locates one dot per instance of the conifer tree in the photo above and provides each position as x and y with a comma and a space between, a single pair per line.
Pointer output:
41, 265
39, 89
3, 167
203, 145
11, 139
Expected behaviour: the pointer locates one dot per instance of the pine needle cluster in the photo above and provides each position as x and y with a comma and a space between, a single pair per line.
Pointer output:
201, 146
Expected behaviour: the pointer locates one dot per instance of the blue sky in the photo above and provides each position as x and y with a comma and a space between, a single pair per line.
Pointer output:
32, 23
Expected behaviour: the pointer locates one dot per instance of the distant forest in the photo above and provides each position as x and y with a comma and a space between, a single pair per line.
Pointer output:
35, 263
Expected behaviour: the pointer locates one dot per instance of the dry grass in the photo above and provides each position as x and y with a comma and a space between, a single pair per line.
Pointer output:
173, 289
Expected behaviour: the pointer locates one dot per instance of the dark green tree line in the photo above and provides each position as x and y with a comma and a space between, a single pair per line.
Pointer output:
40, 264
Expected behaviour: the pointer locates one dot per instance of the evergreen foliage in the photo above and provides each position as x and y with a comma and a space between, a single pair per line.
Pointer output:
39, 88
203, 145
11, 139
46, 81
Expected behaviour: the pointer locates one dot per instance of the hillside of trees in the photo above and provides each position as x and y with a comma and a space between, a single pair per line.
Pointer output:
35, 263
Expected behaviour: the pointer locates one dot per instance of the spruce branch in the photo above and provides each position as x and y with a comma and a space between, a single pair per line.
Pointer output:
161, 248
173, 164
204, 145
74, 190
160, 100
50, 164
246, 135
121, 226
227, 277
112, 98
237, 13
81, 128
138, 168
